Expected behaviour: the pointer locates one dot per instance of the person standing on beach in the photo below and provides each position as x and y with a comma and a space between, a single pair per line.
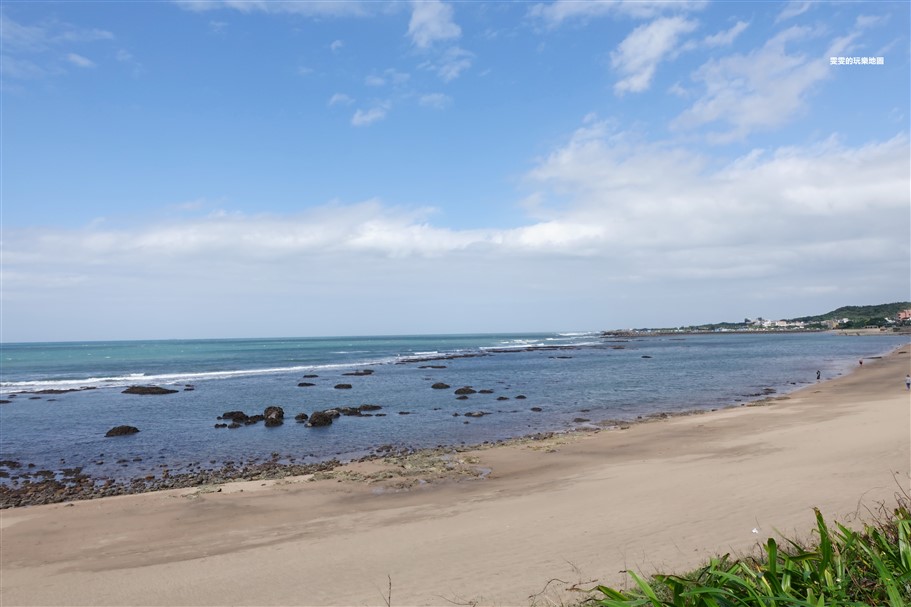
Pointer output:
908, 382
818, 375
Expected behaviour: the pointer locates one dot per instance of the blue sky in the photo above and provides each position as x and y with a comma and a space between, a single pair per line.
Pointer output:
258, 168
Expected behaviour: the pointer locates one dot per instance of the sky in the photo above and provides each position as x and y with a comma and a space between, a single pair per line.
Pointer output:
257, 168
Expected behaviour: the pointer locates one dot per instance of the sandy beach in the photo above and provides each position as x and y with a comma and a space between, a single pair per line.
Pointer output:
510, 525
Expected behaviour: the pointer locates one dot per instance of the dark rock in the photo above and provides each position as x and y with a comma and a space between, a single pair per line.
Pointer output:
485, 391
311, 376
274, 416
62, 391
305, 384
440, 386
4, 401
221, 425
342, 386
476, 414
466, 390
148, 390
349, 411
536, 409
502, 398
369, 407
333, 413
122, 431
462, 397
521, 397
404, 412
301, 417
646, 356
235, 416
254, 419
581, 420
360, 373
432, 367
319, 418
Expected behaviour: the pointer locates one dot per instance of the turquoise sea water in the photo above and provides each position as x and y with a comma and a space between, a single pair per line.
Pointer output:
592, 378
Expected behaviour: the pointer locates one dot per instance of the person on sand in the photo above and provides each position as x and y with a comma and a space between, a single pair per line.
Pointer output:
908, 382
818, 375
860, 362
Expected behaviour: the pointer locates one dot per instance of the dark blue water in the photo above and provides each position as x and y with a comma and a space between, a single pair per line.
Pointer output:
594, 379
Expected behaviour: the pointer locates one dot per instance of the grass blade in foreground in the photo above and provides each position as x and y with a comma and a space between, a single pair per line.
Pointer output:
844, 568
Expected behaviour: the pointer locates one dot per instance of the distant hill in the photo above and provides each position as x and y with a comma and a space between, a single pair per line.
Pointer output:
859, 313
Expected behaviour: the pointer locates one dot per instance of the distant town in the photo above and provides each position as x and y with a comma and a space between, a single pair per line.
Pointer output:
895, 317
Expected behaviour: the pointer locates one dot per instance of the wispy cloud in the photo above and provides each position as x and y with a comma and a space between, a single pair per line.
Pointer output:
438, 101
336, 45
80, 61
452, 63
793, 9
762, 89
389, 76
726, 37
639, 54
339, 99
557, 13
348, 8
370, 116
432, 21
37, 51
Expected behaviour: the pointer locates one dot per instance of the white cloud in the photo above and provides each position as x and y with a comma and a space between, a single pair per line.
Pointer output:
432, 21
794, 8
339, 99
126, 57
437, 101
727, 37
560, 11
763, 211
759, 90
80, 61
368, 117
26, 47
305, 71
23, 69
352, 8
800, 200
388, 76
452, 63
336, 45
800, 227
645, 47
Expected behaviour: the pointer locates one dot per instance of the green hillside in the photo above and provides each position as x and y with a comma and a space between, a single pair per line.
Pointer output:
859, 313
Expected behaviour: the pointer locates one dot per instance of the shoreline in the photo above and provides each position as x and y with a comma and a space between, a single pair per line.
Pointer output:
67, 484
490, 525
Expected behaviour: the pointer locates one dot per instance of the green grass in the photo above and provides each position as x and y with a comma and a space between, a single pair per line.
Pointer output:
842, 567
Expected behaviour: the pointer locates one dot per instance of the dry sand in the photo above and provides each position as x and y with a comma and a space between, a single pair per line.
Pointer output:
657, 496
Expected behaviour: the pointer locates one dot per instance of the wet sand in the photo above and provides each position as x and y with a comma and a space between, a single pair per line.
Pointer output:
491, 526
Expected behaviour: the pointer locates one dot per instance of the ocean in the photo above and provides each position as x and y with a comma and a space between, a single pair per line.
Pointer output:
569, 381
